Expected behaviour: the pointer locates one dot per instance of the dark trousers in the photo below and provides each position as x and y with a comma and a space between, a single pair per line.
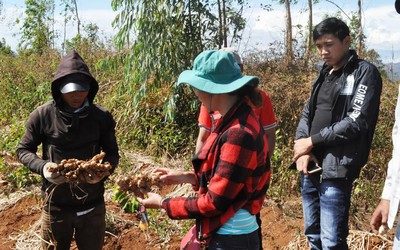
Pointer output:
59, 227
259, 231
237, 242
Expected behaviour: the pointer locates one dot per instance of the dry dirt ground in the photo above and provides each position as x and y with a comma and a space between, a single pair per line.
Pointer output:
19, 229
282, 226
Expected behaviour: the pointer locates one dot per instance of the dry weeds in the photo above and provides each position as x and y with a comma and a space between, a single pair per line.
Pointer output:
357, 240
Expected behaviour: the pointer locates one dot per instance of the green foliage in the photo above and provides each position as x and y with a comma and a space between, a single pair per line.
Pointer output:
163, 227
24, 84
68, 11
358, 37
157, 40
37, 32
90, 39
4, 48
159, 50
18, 176
147, 126
284, 182
10, 136
168, 34
127, 202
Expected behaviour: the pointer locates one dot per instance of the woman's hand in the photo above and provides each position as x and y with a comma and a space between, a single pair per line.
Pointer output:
153, 200
171, 176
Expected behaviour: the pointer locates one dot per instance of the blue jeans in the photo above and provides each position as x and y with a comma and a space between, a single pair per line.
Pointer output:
396, 241
326, 206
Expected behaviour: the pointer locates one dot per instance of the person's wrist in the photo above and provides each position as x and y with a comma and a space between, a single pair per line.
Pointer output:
190, 178
161, 202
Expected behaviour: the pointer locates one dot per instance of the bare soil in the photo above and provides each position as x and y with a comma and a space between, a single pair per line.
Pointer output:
278, 228
282, 225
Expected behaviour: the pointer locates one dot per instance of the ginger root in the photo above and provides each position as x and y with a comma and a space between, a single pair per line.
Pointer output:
74, 169
135, 182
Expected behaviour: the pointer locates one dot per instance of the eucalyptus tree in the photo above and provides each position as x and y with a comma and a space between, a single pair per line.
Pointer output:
289, 35
310, 31
70, 12
162, 37
38, 25
288, 29
5, 48
360, 35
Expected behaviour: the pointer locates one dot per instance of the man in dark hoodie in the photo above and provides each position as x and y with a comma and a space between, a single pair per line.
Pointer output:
70, 126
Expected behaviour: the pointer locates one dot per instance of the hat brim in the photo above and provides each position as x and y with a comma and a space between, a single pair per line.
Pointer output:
71, 87
208, 86
397, 6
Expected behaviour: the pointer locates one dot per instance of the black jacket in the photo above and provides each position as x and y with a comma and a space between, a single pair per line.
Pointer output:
66, 135
347, 141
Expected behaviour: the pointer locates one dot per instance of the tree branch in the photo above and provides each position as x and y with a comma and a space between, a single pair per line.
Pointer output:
339, 8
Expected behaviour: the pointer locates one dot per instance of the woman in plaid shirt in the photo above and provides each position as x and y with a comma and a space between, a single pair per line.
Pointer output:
230, 171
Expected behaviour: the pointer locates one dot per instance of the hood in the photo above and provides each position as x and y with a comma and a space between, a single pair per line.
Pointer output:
73, 64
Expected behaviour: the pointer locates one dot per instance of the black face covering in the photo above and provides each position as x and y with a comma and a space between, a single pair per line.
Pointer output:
71, 118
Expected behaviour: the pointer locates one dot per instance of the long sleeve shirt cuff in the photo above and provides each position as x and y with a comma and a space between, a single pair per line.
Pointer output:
386, 193
317, 140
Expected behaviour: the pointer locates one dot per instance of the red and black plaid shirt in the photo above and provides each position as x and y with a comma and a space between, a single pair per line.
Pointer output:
232, 173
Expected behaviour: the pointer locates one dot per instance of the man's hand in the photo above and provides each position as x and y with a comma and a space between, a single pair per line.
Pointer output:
53, 177
92, 177
302, 162
380, 216
302, 147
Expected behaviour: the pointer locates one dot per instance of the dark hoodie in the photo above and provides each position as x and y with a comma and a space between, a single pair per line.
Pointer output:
66, 135
73, 66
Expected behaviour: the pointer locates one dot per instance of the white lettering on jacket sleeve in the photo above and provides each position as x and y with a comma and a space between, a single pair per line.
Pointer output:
358, 101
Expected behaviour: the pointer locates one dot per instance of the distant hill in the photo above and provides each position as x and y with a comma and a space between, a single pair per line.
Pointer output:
393, 71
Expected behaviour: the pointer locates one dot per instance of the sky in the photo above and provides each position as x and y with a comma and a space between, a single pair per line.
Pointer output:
381, 23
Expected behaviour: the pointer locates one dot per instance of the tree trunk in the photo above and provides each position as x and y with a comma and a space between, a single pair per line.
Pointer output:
199, 30
309, 37
65, 34
52, 25
289, 46
220, 35
77, 17
360, 33
224, 24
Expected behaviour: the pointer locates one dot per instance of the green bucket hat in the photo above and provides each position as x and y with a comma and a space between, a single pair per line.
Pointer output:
216, 72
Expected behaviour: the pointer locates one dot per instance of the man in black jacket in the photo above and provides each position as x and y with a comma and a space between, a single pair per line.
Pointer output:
335, 132
70, 127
